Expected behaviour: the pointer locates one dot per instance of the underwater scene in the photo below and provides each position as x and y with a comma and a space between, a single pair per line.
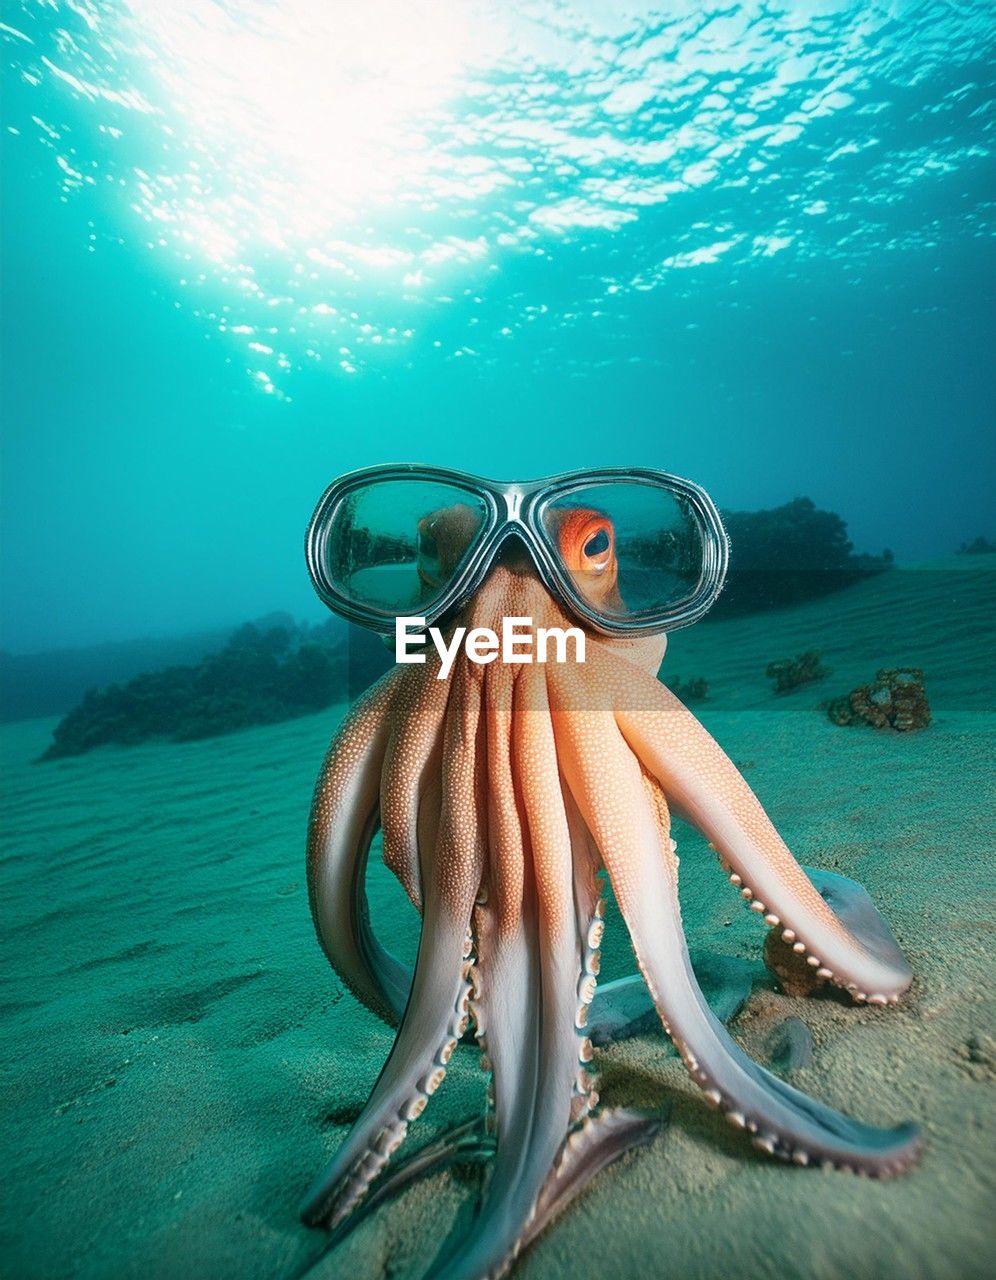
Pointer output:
497, 712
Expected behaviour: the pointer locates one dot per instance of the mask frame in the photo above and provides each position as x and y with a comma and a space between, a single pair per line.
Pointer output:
516, 509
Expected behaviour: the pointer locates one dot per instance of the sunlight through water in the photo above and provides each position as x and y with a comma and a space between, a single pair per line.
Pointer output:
348, 185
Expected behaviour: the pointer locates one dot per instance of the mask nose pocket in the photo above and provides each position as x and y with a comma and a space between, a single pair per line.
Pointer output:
515, 556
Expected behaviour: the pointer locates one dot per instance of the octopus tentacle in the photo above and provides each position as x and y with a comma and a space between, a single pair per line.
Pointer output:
531, 981
437, 1011
463, 1143
411, 763
506, 1005
592, 1141
622, 1007
588, 1149
589, 912
703, 785
432, 1024
591, 1147
786, 956
643, 872
851, 903
344, 817
372, 752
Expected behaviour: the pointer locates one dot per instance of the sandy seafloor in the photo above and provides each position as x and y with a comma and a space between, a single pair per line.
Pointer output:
179, 1060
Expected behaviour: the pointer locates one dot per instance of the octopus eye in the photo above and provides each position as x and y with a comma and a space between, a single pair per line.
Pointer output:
598, 544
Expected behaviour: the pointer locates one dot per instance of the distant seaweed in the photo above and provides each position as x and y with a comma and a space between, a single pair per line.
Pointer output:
789, 673
788, 554
259, 677
979, 546
695, 689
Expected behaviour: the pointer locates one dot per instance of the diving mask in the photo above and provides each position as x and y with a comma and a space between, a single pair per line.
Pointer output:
627, 551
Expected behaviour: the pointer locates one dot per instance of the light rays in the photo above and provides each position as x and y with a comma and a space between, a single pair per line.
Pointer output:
338, 184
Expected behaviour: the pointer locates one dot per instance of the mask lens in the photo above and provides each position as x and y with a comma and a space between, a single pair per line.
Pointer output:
395, 545
632, 549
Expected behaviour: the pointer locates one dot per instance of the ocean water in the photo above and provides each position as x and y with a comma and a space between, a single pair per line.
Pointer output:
250, 245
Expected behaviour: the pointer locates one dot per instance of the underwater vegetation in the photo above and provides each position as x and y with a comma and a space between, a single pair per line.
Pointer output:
787, 554
695, 689
790, 673
50, 681
979, 546
259, 677
895, 699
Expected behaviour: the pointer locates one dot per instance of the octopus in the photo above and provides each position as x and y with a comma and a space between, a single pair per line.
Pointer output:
503, 794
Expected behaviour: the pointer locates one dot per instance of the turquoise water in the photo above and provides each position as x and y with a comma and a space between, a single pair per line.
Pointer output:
249, 246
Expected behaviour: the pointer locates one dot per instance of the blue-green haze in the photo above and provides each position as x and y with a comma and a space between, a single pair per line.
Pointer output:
248, 246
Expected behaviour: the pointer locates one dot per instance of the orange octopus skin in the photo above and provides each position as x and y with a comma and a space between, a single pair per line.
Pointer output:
501, 792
